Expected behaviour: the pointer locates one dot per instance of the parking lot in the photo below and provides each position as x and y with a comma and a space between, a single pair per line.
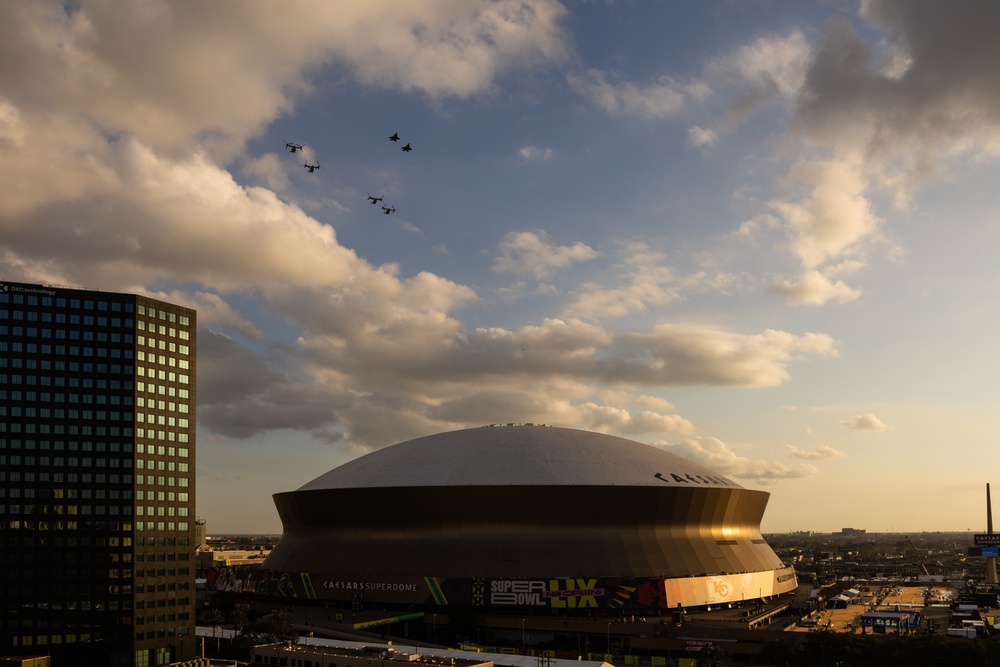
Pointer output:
885, 598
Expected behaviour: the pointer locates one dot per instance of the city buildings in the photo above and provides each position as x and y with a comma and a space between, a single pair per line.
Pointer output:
362, 656
97, 490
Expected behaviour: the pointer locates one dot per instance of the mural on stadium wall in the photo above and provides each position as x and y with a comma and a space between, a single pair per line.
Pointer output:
612, 594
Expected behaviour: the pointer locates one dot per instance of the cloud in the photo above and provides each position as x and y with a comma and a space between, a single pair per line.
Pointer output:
693, 354
144, 108
944, 103
644, 280
154, 70
618, 398
12, 127
715, 455
241, 394
663, 99
764, 72
141, 217
604, 418
822, 452
447, 49
925, 96
532, 253
812, 288
562, 358
270, 169
833, 217
699, 136
865, 422
381, 390
212, 311
535, 154
866, 121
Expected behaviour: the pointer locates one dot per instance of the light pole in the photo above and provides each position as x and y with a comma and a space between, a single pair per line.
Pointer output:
609, 637
434, 626
523, 647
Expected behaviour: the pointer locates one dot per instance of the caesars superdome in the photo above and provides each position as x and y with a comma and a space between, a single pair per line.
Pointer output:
526, 516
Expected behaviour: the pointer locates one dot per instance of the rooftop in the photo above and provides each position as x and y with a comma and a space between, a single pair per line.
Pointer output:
519, 455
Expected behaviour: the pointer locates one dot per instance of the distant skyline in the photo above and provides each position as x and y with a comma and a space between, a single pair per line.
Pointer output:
761, 235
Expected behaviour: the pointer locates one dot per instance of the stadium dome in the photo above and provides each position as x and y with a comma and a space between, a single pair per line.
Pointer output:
525, 502
515, 455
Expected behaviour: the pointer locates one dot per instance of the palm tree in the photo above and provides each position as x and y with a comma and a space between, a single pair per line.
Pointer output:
238, 617
215, 618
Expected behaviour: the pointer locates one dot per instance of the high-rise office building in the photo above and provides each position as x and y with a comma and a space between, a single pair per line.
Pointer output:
97, 484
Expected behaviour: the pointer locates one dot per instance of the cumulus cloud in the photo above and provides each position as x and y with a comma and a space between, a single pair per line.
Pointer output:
213, 311
447, 48
663, 98
867, 121
812, 288
535, 154
699, 136
831, 227
618, 398
885, 118
604, 418
381, 391
149, 217
647, 281
832, 217
820, 453
943, 104
716, 455
764, 72
153, 69
695, 354
532, 253
644, 279
865, 422
270, 170
669, 355
134, 105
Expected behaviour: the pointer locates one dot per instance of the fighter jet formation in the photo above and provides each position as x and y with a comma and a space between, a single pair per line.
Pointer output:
293, 147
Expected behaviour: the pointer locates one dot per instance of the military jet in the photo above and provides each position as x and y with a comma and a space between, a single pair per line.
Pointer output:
394, 137
388, 209
375, 200
292, 148
406, 148
312, 167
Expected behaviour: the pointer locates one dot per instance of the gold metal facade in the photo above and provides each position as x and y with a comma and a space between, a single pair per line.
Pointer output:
526, 531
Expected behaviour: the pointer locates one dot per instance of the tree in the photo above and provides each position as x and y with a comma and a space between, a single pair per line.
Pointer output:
215, 618
271, 629
238, 617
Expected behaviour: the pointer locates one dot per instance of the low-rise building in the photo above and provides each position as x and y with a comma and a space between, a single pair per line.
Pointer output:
288, 654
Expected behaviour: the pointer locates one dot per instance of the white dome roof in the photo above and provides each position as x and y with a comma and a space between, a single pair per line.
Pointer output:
519, 455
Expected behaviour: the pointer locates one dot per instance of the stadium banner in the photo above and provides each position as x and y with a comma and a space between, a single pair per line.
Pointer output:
620, 595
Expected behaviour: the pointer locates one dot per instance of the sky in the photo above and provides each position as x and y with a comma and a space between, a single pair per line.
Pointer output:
758, 234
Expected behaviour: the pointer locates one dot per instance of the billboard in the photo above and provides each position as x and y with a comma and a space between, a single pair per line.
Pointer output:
977, 552
986, 539
622, 595
702, 591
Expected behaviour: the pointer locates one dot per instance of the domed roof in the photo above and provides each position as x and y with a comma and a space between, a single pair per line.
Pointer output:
519, 455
